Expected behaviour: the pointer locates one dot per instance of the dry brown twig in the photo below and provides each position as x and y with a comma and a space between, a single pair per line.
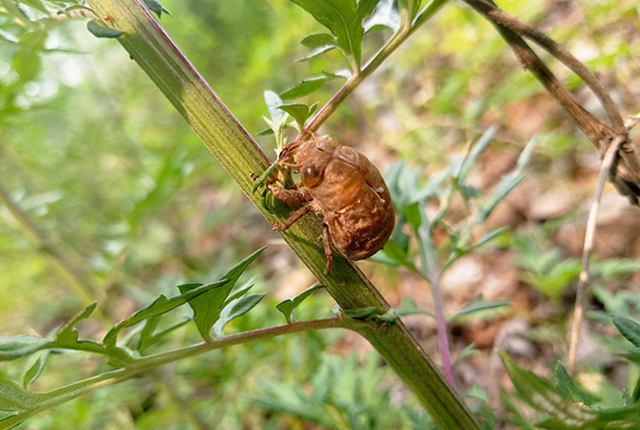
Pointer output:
620, 161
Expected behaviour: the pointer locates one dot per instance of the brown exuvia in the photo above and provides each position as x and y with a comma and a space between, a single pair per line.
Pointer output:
346, 189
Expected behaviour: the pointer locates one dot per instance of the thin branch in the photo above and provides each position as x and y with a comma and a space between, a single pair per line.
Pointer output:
605, 168
61, 395
599, 133
375, 62
497, 15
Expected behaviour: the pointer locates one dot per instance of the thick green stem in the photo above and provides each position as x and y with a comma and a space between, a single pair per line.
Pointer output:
149, 45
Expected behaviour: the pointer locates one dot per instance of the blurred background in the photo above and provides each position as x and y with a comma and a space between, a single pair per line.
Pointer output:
109, 196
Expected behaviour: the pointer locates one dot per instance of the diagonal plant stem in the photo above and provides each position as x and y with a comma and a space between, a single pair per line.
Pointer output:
605, 168
151, 47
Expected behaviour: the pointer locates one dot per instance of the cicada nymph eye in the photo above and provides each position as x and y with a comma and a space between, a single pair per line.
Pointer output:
311, 175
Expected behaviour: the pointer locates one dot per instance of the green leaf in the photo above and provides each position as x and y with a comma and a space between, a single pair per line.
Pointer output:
148, 340
507, 183
68, 330
288, 306
273, 100
468, 351
15, 398
207, 307
477, 305
36, 369
475, 152
28, 62
340, 74
156, 7
396, 255
316, 52
477, 393
146, 335
389, 316
489, 236
386, 15
409, 307
14, 347
629, 329
540, 394
566, 387
237, 308
304, 88
102, 31
636, 391
161, 306
318, 40
344, 19
299, 111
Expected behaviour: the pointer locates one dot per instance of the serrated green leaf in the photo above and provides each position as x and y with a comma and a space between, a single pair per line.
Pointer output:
237, 308
298, 111
344, 19
540, 394
102, 31
288, 306
318, 40
161, 306
208, 306
68, 329
14, 347
304, 88
629, 329
477, 305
